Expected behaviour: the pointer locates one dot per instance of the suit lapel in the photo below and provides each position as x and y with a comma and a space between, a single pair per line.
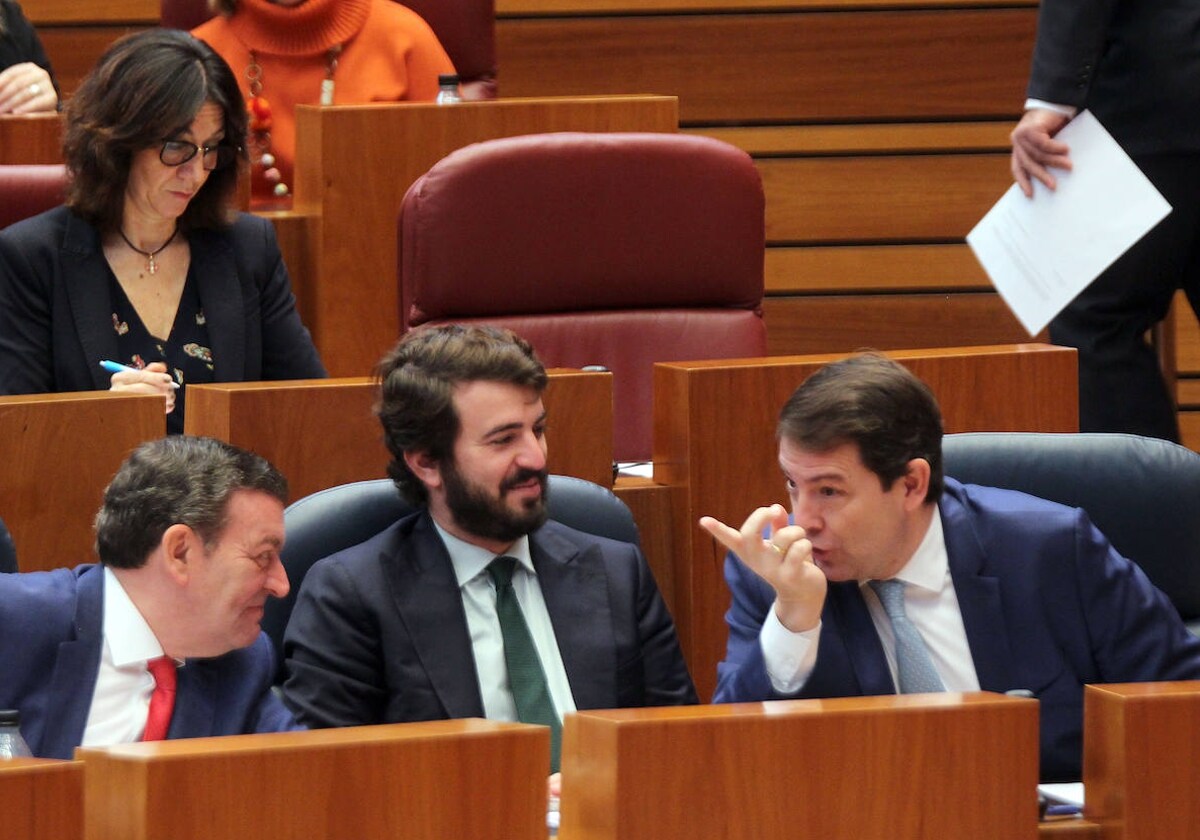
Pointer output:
979, 598
75, 670
195, 702
869, 662
430, 607
215, 269
576, 596
89, 297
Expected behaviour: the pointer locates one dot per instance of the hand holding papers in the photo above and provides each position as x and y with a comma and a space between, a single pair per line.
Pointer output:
1041, 252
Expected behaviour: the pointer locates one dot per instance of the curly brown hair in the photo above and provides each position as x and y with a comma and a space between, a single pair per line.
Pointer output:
147, 88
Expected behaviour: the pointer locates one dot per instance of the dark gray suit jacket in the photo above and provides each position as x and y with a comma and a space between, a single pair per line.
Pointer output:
379, 634
56, 311
1134, 63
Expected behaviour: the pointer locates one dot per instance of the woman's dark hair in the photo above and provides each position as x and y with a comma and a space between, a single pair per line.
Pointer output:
145, 89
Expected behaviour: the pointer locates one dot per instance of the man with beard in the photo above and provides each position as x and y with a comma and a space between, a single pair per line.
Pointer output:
411, 624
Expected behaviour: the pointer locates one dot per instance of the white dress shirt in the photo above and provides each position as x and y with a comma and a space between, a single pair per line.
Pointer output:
930, 603
121, 700
479, 601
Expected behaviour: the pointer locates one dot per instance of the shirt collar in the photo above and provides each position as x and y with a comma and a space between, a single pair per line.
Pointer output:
926, 569
470, 560
129, 638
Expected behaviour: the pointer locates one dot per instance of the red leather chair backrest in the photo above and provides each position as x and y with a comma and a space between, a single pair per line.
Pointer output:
610, 249
28, 190
466, 29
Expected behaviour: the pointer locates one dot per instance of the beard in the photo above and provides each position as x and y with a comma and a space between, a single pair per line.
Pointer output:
486, 516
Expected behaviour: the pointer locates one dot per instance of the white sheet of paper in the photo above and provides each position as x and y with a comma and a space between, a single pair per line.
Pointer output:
1041, 252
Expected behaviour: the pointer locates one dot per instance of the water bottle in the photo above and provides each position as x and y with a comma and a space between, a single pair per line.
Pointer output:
448, 89
12, 745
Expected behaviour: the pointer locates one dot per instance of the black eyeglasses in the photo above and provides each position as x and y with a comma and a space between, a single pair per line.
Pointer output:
179, 152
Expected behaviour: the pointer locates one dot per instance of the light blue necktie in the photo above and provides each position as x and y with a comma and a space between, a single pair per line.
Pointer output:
913, 665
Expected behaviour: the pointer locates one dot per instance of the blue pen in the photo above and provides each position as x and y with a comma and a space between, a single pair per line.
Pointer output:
117, 367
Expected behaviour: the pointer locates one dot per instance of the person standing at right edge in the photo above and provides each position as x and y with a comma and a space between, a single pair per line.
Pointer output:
1135, 64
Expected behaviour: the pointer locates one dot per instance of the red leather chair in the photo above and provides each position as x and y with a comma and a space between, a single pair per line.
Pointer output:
617, 249
28, 190
466, 28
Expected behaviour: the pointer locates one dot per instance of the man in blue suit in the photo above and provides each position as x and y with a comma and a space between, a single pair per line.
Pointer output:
1004, 591
188, 538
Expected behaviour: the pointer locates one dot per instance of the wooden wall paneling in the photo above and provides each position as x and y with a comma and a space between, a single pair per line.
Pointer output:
59, 453
822, 269
915, 766
43, 799
841, 323
888, 198
580, 8
714, 437
421, 781
355, 163
57, 12
31, 139
788, 66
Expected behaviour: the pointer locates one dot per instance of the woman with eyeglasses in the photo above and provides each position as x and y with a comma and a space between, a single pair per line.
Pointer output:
147, 265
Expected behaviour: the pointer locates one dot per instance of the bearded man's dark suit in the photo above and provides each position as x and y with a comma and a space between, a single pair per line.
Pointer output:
379, 633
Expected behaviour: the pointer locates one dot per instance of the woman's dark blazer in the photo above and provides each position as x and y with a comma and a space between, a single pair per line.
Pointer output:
56, 314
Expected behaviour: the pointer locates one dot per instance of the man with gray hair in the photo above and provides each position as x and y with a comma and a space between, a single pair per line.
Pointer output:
162, 638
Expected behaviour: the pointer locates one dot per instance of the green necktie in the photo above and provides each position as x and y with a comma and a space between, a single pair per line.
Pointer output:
526, 678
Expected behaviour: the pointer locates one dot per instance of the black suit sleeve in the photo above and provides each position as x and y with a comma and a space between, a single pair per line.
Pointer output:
20, 42
333, 652
665, 674
1071, 38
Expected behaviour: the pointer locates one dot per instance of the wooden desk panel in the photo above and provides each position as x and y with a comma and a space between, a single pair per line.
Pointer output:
353, 188
32, 139
420, 781
1140, 742
918, 766
322, 432
59, 453
43, 799
714, 437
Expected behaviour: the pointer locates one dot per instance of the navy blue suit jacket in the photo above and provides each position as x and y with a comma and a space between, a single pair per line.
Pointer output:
56, 313
379, 633
51, 632
1046, 602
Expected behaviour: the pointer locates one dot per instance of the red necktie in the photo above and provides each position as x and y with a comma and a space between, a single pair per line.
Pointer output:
162, 700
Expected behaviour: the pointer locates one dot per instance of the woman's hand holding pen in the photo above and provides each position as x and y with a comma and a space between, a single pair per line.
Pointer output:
152, 379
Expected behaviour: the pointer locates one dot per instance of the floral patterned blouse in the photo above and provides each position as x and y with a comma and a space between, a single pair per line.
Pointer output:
186, 352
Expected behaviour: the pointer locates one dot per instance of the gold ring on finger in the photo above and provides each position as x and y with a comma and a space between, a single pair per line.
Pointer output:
778, 550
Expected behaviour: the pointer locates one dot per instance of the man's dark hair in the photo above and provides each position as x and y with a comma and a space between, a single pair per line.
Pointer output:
876, 403
176, 480
417, 380
147, 88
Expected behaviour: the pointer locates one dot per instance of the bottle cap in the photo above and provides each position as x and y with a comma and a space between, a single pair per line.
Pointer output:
10, 717
445, 79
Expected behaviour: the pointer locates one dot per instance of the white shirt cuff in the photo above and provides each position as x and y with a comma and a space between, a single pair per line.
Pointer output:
789, 657
1068, 111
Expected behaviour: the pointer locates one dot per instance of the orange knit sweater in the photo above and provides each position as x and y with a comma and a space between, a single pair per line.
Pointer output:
388, 54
